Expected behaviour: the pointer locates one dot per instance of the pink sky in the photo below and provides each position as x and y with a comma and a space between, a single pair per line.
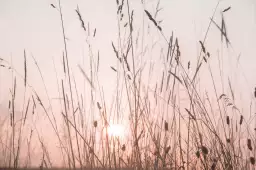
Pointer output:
35, 26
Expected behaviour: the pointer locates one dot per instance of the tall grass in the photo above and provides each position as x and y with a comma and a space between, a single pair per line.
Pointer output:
207, 132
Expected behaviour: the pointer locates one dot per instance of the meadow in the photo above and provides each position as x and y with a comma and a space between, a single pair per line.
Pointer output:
165, 112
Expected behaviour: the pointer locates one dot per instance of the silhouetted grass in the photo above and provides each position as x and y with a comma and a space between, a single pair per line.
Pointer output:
209, 132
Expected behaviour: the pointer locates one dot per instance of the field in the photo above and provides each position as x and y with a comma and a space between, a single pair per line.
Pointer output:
62, 168
152, 108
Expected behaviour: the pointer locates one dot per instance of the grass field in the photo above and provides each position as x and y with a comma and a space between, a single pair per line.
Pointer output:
166, 113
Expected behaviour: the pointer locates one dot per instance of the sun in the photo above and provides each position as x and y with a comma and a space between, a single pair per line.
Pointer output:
116, 130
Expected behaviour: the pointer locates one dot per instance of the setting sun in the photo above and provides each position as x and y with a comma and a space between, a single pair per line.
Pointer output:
116, 130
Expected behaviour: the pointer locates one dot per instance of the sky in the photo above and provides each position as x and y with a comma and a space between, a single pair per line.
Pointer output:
35, 26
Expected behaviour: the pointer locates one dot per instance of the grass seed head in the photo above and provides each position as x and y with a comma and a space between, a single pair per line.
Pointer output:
228, 120
249, 144
241, 119
252, 160
166, 126
204, 150
123, 147
95, 123
197, 154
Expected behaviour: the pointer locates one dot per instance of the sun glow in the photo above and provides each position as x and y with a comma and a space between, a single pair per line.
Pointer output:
116, 130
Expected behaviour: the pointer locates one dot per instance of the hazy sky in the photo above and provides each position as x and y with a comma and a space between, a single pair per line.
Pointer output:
35, 26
